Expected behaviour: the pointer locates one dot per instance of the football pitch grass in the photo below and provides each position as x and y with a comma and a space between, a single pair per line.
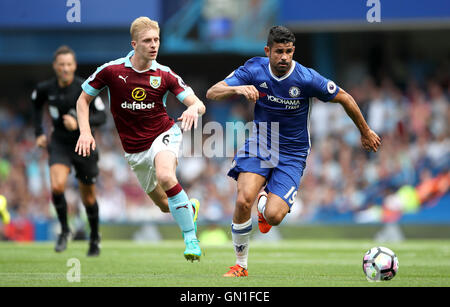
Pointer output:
271, 264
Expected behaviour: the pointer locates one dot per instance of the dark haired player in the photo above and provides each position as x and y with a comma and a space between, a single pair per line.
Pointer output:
61, 94
282, 90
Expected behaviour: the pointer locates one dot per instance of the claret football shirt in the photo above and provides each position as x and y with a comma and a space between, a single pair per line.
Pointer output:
137, 99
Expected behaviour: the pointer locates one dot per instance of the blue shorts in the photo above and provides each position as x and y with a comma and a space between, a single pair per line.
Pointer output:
283, 178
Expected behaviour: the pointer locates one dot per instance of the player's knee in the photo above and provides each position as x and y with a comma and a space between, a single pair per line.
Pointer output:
244, 201
58, 188
88, 200
273, 218
166, 180
274, 221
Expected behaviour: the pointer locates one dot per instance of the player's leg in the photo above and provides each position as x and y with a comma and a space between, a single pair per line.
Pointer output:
178, 202
248, 186
86, 169
88, 197
165, 167
280, 193
159, 198
271, 211
155, 169
58, 179
274, 210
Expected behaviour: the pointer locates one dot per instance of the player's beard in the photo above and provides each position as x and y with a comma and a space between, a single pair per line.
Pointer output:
282, 69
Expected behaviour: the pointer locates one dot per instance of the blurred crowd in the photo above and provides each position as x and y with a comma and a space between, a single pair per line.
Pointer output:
340, 176
413, 125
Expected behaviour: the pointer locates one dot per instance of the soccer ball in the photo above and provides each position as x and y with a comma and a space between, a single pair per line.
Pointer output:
380, 263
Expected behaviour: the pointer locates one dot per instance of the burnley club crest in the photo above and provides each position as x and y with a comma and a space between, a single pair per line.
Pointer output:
155, 82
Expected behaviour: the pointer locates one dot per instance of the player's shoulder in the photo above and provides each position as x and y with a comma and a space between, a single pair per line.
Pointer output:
307, 74
46, 84
111, 65
116, 62
165, 71
108, 68
158, 66
256, 62
255, 66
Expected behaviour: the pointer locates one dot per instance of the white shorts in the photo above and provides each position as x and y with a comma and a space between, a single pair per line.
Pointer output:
142, 163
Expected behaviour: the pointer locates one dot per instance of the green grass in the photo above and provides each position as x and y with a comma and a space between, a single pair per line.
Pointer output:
286, 263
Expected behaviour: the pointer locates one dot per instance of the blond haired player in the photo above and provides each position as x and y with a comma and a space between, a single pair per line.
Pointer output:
138, 87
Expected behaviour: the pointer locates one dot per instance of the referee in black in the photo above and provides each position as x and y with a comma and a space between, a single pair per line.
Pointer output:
60, 94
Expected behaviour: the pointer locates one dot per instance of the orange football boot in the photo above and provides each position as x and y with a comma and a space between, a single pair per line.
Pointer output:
236, 271
263, 226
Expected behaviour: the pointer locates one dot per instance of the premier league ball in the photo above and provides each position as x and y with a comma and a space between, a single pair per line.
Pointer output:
380, 263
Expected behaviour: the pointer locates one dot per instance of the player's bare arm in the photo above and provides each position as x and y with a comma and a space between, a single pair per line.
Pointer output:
369, 139
222, 90
86, 141
195, 109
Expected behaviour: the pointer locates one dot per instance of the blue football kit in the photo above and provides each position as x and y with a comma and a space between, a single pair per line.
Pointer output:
280, 142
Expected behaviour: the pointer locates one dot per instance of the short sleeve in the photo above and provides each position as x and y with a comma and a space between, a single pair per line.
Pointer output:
241, 76
96, 82
178, 87
38, 98
321, 87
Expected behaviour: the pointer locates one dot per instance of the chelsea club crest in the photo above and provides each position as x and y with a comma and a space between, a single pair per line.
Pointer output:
294, 92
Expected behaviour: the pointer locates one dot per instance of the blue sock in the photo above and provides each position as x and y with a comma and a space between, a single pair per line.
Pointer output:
181, 209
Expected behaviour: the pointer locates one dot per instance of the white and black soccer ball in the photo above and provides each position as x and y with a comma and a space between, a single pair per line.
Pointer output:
380, 263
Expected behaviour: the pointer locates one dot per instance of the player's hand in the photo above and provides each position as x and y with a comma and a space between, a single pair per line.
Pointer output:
370, 141
41, 141
189, 118
70, 122
249, 92
85, 142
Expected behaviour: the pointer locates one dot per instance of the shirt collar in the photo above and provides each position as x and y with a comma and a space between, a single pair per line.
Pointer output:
153, 67
286, 75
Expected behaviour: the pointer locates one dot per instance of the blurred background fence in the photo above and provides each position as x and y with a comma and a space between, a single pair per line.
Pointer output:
393, 57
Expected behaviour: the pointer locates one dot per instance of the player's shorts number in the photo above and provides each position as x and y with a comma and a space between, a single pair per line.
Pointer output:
165, 139
290, 197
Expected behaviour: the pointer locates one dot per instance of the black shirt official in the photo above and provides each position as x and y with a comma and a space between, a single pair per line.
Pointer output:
61, 101
60, 95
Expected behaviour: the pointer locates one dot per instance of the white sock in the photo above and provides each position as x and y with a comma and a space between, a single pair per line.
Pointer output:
240, 234
262, 205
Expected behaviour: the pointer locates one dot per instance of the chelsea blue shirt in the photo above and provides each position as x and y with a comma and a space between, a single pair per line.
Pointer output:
286, 100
